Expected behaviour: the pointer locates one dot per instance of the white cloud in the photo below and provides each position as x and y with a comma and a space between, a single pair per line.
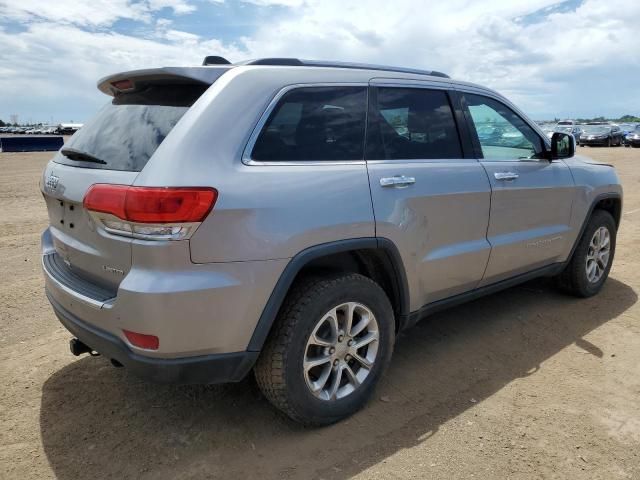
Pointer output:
52, 69
93, 13
536, 64
282, 3
580, 62
178, 6
88, 12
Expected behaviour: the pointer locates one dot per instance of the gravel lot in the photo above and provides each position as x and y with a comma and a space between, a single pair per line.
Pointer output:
527, 383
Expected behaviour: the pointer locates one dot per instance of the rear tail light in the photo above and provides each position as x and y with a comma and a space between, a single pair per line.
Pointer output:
150, 212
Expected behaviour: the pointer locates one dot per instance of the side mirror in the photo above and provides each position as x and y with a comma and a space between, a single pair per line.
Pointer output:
563, 145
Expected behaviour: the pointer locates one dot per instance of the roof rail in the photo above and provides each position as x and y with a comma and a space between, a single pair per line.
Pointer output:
296, 62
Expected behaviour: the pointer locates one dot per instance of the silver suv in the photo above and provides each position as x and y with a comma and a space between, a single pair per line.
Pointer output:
291, 217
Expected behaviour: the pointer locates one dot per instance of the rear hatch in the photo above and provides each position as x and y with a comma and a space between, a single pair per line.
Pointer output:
112, 149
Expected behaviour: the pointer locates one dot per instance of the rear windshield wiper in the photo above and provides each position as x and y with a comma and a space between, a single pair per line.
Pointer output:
79, 156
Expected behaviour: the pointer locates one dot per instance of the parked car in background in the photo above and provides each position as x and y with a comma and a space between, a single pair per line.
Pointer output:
601, 134
340, 206
574, 130
632, 138
69, 128
548, 129
566, 123
627, 128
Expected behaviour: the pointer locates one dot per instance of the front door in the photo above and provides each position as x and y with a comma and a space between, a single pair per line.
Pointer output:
531, 196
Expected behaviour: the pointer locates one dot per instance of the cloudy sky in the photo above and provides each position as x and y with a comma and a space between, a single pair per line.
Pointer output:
564, 58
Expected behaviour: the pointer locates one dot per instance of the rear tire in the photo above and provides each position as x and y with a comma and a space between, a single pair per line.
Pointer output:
312, 328
586, 272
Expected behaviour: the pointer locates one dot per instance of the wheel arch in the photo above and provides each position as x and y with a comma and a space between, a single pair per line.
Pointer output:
610, 202
376, 258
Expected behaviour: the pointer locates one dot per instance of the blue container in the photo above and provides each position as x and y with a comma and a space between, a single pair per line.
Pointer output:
30, 144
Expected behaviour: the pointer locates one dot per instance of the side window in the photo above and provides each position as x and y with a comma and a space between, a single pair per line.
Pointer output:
315, 124
502, 134
411, 123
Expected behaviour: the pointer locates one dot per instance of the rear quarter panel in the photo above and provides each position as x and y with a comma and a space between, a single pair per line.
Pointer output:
263, 212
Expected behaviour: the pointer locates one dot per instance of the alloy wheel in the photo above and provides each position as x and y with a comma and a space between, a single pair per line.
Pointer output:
341, 351
598, 254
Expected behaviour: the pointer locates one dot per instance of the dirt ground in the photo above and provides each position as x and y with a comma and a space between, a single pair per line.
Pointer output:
527, 383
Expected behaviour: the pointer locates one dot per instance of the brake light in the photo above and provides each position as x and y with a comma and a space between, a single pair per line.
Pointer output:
150, 211
142, 340
123, 84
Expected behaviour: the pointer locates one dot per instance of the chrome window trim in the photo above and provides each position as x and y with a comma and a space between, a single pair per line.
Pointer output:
421, 161
257, 129
410, 83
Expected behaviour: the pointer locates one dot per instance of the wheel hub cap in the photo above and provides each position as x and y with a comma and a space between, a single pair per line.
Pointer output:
341, 351
598, 254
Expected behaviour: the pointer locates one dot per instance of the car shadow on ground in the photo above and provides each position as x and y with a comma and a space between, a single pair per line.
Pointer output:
99, 421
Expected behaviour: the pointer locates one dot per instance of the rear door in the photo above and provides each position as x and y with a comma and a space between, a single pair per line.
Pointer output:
531, 197
429, 197
112, 148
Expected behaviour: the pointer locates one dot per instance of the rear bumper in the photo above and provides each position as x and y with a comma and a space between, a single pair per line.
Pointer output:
203, 369
196, 310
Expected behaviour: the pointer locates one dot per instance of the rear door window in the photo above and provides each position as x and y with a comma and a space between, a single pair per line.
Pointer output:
315, 124
411, 123
127, 131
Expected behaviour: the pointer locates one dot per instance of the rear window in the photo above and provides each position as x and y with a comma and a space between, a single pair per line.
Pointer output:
127, 131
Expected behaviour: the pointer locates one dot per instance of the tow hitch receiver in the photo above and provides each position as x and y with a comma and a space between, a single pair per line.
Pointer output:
78, 348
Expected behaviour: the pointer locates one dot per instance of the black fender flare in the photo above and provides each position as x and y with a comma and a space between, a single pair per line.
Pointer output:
592, 207
297, 263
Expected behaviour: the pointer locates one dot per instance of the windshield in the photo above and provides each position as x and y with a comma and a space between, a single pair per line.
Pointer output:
564, 129
596, 129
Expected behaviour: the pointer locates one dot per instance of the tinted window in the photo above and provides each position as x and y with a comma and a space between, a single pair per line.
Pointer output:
127, 131
315, 124
502, 134
412, 123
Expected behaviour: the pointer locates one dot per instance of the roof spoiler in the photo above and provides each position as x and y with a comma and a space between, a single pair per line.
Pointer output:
126, 82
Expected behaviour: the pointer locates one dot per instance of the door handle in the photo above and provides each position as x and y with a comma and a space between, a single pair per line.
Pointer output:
506, 176
398, 181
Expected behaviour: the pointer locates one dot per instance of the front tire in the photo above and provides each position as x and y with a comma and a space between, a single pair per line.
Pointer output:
330, 345
591, 262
